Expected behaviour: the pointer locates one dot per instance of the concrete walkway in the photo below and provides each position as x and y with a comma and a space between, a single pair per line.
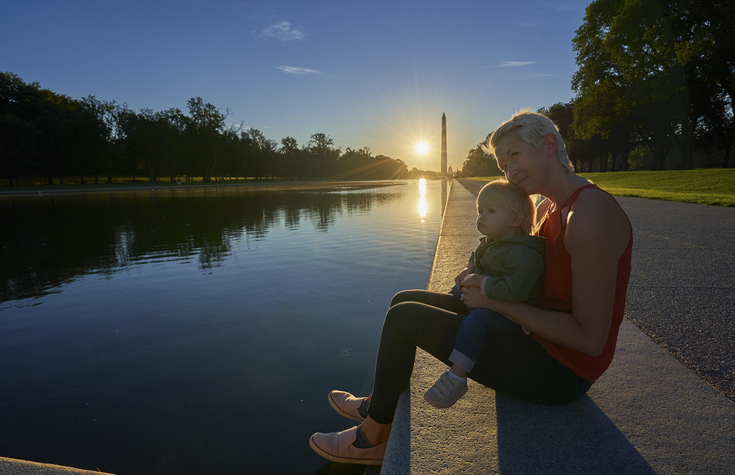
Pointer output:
647, 414
22, 467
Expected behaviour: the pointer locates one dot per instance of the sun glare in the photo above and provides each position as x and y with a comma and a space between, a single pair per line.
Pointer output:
422, 148
422, 199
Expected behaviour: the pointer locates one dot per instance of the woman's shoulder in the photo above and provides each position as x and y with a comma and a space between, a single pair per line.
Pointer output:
597, 217
598, 203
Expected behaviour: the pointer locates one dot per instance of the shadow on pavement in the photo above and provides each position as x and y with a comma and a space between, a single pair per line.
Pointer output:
347, 469
580, 438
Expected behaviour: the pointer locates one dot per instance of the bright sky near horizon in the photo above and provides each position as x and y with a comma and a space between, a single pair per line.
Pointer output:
373, 74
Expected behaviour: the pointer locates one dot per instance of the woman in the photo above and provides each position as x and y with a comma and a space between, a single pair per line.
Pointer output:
574, 326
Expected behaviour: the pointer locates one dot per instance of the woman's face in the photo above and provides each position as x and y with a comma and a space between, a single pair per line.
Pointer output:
521, 162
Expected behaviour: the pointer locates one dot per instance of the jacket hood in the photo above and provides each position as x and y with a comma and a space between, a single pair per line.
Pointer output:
534, 242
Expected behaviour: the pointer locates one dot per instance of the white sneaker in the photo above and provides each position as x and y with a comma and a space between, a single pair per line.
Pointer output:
445, 391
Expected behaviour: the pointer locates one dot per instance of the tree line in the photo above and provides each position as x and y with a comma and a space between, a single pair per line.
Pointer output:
654, 89
51, 135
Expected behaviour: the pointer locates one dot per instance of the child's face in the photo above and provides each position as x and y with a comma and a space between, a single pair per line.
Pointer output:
495, 220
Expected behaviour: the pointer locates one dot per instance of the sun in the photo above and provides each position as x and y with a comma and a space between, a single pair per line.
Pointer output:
422, 148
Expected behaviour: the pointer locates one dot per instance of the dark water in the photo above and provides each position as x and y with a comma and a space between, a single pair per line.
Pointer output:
198, 331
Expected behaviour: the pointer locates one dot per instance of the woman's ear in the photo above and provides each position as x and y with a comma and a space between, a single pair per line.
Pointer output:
551, 146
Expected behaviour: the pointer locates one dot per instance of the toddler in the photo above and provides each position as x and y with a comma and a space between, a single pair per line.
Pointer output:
507, 265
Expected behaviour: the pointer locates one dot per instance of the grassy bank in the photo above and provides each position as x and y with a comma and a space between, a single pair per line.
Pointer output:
708, 187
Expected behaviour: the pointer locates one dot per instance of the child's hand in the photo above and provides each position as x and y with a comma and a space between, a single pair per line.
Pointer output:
472, 280
461, 276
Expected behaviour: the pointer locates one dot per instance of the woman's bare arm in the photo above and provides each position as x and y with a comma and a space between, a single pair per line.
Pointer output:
597, 234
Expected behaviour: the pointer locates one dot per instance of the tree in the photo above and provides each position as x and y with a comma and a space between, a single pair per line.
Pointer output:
383, 167
585, 151
642, 66
291, 158
324, 155
203, 130
262, 151
18, 138
711, 74
356, 163
479, 163
107, 158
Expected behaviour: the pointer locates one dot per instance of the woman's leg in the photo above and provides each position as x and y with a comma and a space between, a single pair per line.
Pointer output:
345, 403
518, 366
514, 364
409, 324
445, 301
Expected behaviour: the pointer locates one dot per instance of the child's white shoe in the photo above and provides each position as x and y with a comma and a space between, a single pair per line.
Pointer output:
446, 391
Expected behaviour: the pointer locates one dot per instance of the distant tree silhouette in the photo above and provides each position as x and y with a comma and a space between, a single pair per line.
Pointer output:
657, 73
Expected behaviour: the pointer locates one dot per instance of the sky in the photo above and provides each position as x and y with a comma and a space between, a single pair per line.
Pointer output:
375, 74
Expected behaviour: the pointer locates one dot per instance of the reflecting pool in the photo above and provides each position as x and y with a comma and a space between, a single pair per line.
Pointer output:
198, 330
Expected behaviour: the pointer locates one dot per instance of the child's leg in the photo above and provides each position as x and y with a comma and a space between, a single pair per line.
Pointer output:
455, 292
452, 385
495, 322
458, 371
472, 335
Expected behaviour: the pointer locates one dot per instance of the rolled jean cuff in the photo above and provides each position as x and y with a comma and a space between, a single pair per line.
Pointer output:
461, 360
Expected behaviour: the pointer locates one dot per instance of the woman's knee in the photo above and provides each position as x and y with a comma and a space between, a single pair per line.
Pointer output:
403, 296
402, 316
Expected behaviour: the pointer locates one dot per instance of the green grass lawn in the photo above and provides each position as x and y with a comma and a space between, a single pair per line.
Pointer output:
714, 186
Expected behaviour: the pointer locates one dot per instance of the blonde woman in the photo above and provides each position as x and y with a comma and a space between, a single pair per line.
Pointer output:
573, 327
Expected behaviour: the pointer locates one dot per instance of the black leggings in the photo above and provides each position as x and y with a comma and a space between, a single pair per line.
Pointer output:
512, 364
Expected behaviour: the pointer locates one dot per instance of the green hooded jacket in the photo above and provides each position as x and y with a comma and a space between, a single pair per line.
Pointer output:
512, 267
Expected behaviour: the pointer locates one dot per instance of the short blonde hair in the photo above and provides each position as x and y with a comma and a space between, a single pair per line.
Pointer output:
531, 127
515, 199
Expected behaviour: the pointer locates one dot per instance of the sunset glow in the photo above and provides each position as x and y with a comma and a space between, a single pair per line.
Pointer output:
422, 148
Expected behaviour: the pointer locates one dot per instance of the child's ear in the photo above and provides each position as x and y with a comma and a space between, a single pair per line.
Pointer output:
515, 222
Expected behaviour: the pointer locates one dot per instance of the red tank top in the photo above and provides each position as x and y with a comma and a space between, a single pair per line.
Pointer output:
557, 294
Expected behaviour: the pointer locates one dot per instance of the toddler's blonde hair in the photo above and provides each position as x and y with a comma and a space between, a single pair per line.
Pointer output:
515, 199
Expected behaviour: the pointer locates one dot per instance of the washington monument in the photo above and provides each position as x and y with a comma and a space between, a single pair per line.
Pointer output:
444, 144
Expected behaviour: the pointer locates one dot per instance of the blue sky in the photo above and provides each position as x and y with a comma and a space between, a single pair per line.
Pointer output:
368, 74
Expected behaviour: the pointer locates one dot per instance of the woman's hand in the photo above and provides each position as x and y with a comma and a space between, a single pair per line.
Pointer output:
473, 297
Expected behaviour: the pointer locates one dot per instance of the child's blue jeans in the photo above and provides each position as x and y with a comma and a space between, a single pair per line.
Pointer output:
472, 334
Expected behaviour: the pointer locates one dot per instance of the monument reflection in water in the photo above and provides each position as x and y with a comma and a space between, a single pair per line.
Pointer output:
198, 330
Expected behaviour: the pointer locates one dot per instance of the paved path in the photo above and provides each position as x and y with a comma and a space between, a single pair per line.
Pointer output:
682, 287
648, 413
